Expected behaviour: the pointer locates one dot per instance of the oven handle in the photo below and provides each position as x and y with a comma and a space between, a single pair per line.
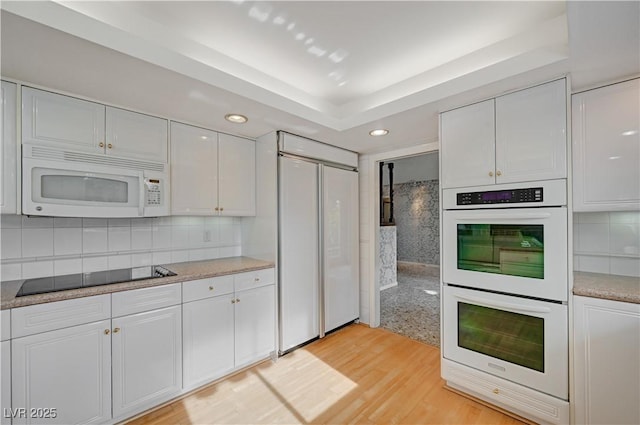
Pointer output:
502, 217
514, 307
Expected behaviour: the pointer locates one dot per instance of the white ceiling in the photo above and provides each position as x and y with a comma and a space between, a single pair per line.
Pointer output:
329, 70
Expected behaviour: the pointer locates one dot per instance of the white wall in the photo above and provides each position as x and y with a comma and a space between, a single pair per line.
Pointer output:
607, 242
364, 173
44, 246
414, 169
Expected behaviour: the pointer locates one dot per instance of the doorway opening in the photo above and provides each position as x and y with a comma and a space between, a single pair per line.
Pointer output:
409, 247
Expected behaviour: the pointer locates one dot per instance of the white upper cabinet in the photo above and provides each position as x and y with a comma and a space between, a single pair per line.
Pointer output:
62, 121
69, 123
237, 176
606, 148
517, 137
531, 134
8, 150
468, 145
211, 173
133, 135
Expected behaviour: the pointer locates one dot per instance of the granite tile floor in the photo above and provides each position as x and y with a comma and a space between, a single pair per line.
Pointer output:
412, 308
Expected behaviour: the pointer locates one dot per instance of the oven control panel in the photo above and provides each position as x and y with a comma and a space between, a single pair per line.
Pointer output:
513, 196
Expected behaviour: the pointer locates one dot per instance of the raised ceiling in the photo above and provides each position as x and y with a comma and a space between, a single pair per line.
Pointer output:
329, 70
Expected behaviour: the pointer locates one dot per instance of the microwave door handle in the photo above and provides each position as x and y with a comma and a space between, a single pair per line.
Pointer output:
511, 217
141, 195
510, 306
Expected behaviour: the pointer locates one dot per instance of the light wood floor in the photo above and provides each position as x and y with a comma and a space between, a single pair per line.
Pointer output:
356, 375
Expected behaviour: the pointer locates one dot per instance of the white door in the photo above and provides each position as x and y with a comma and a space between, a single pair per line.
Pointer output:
531, 134
133, 135
147, 359
255, 323
62, 121
606, 359
467, 143
5, 397
606, 148
208, 342
340, 247
299, 315
8, 145
194, 170
68, 370
237, 176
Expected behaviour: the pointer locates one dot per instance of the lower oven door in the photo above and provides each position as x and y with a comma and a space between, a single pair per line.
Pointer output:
519, 339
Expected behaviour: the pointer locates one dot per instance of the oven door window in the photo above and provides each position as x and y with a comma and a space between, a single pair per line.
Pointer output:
508, 249
512, 337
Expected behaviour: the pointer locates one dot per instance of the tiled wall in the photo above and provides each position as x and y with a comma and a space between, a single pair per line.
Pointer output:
607, 242
388, 257
44, 246
416, 213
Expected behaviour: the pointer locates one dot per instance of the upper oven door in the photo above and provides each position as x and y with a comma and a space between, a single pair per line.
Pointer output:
515, 251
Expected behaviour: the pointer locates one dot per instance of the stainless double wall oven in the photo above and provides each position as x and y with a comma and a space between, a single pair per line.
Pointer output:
504, 270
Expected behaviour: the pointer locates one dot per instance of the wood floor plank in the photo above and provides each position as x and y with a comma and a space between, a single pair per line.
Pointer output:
357, 375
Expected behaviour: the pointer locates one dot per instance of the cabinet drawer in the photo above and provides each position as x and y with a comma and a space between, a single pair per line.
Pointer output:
145, 299
5, 325
206, 288
38, 318
254, 279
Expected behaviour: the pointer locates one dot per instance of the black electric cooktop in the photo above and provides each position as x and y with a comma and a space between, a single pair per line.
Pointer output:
42, 285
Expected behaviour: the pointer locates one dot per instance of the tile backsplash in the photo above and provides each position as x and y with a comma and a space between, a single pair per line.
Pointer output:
607, 242
44, 246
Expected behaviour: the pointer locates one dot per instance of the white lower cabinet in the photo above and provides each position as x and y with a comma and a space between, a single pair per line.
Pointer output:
229, 323
62, 376
5, 368
208, 339
606, 361
147, 359
255, 324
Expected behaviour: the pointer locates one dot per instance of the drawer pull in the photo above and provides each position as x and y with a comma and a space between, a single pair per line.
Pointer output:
496, 391
211, 288
116, 330
257, 279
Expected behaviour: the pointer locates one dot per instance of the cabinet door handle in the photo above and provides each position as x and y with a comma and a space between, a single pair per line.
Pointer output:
490, 173
217, 209
498, 173
211, 288
233, 301
221, 209
101, 145
109, 146
116, 330
107, 331
257, 279
237, 300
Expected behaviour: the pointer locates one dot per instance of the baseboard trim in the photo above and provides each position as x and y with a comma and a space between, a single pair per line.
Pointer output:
390, 285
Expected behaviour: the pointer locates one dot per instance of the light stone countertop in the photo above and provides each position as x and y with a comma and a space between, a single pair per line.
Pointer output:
608, 287
191, 270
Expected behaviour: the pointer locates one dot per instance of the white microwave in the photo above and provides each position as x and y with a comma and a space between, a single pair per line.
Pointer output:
61, 183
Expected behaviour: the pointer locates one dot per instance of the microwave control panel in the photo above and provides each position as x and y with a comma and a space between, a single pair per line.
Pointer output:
512, 196
153, 191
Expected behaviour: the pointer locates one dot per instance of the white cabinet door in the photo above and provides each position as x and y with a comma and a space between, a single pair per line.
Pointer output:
606, 148
341, 247
61, 121
5, 396
68, 370
208, 339
133, 135
237, 176
147, 360
194, 170
255, 324
531, 134
8, 147
467, 143
606, 353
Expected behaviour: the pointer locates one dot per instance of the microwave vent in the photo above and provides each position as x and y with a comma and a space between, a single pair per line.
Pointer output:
39, 152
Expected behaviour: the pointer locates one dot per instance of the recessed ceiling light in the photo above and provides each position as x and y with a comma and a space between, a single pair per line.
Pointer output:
629, 133
379, 132
236, 118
